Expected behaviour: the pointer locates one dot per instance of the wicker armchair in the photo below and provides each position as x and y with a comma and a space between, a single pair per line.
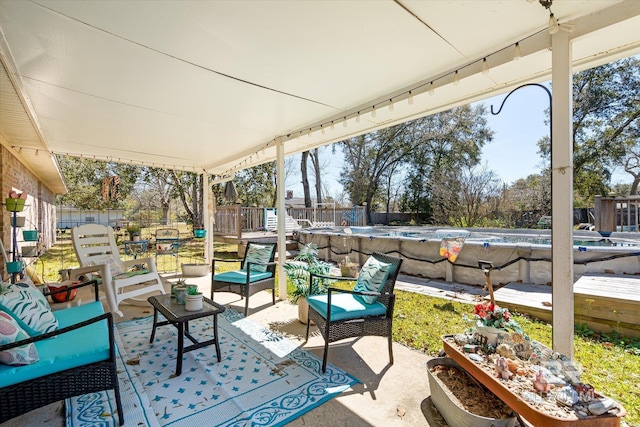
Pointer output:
20, 398
249, 279
348, 317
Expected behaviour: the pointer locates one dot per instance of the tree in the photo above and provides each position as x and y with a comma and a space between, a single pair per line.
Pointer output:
464, 199
160, 183
189, 187
443, 145
91, 184
606, 124
257, 186
368, 158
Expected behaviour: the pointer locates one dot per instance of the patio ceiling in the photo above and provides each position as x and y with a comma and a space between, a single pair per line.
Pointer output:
213, 85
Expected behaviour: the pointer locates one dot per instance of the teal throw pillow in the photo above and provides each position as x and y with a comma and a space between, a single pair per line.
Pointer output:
260, 254
372, 277
29, 308
11, 332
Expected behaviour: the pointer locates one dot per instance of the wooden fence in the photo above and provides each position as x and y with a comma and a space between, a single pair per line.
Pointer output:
234, 220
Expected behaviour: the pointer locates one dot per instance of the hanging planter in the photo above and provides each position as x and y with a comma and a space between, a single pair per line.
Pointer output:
29, 251
14, 205
18, 221
14, 267
199, 233
30, 235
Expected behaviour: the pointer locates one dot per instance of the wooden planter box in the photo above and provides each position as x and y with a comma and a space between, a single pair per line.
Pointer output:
531, 414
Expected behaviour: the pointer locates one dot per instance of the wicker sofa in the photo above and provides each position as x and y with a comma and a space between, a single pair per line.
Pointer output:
79, 360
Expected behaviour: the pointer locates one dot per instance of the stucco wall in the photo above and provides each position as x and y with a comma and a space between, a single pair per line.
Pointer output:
39, 211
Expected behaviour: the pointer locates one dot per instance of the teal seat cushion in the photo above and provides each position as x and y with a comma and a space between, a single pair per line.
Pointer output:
76, 348
345, 306
240, 276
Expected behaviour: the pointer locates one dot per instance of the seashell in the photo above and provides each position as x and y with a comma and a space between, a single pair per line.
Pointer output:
513, 365
599, 407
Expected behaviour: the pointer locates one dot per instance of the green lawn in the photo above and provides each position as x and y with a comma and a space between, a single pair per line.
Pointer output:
611, 364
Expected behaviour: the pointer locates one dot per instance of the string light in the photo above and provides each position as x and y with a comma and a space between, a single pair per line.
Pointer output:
391, 108
344, 122
431, 89
358, 117
322, 129
373, 111
485, 67
516, 52
410, 98
332, 127
456, 78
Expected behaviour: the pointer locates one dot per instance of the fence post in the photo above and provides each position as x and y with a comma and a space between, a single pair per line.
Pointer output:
238, 221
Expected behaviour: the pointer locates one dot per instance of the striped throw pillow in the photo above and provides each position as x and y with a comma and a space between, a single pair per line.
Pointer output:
28, 307
260, 254
372, 277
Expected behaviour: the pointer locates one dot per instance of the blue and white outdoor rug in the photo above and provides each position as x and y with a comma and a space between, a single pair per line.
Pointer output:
263, 379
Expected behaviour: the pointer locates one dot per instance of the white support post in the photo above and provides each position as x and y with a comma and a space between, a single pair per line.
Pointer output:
562, 195
206, 218
282, 234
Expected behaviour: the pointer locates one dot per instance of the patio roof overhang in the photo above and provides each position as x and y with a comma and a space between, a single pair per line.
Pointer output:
215, 87
212, 86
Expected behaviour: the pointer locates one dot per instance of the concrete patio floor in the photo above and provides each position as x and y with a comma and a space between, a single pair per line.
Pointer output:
388, 395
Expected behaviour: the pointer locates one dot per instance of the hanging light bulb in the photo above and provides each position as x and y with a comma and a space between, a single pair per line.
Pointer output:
344, 122
37, 152
358, 117
516, 52
309, 133
391, 108
373, 111
332, 127
321, 129
410, 98
553, 24
456, 78
431, 89
485, 67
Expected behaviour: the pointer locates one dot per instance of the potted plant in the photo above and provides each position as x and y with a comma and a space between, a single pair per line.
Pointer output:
298, 272
193, 300
349, 268
134, 231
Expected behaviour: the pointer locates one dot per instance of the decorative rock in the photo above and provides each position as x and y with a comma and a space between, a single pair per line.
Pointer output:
532, 397
462, 339
505, 350
475, 357
567, 396
599, 407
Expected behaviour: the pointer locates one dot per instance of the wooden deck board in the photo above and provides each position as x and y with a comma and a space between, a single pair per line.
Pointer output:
603, 302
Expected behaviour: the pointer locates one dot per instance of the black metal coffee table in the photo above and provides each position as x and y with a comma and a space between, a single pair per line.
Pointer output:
177, 316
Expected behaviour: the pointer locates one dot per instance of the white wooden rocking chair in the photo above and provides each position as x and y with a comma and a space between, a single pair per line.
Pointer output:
97, 252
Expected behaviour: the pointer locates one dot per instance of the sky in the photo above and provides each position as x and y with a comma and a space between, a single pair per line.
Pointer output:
513, 152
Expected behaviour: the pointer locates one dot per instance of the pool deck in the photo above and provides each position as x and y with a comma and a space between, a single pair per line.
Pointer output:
604, 302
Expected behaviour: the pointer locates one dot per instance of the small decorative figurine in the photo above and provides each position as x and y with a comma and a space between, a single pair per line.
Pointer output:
502, 368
